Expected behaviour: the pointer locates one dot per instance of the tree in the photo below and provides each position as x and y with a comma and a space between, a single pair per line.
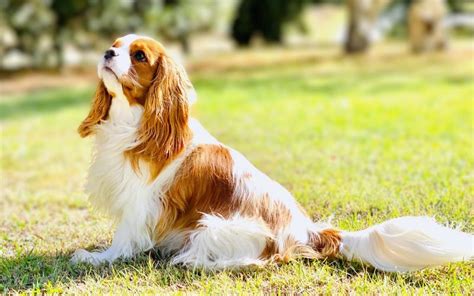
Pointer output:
42, 28
363, 15
456, 5
425, 24
179, 19
65, 12
39, 30
266, 17
31, 37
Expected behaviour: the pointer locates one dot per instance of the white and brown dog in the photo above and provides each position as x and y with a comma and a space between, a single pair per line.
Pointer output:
171, 185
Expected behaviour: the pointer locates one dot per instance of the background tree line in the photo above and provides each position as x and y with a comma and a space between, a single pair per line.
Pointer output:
40, 29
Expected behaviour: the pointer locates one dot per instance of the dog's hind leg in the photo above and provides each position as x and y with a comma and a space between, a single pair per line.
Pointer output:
225, 243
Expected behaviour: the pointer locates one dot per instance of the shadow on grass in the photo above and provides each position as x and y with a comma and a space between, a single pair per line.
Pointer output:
39, 273
44, 101
35, 272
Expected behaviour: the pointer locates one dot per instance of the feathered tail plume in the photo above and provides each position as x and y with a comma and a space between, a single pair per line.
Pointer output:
407, 243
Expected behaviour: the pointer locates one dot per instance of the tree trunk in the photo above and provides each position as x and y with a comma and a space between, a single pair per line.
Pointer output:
355, 41
425, 25
363, 15
58, 47
185, 45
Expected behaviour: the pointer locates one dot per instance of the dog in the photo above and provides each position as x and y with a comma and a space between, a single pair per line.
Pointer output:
170, 185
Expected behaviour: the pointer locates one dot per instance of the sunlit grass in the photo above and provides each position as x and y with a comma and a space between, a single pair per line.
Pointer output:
364, 139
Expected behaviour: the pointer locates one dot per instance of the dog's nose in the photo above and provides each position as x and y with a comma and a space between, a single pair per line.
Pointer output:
110, 53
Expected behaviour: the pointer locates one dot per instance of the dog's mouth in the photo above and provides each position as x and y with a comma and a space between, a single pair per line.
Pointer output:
109, 70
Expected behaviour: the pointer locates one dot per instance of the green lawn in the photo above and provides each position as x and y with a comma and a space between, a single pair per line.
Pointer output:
364, 139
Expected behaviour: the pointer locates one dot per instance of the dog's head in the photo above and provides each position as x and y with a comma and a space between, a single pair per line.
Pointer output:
139, 68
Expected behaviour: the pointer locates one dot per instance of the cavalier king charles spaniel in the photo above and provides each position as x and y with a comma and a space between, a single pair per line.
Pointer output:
170, 185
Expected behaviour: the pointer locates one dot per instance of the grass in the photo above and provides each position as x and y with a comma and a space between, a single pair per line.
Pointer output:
364, 139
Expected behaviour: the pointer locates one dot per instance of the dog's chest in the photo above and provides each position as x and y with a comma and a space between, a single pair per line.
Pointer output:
112, 183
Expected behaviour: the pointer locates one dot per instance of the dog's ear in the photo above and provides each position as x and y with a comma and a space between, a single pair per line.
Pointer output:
98, 112
164, 131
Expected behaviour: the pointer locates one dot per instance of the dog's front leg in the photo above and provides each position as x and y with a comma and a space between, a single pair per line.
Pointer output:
130, 239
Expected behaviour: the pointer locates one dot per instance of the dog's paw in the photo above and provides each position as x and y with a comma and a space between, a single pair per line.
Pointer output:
81, 255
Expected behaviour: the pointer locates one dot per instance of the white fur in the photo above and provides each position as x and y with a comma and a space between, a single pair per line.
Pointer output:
200, 134
408, 243
220, 243
259, 185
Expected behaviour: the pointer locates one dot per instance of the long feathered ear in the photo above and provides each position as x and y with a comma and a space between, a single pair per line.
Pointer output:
164, 130
99, 110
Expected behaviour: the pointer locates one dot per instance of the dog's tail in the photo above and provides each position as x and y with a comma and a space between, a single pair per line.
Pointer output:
405, 244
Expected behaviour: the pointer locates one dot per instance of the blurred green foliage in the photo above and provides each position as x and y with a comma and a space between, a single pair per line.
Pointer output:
41, 28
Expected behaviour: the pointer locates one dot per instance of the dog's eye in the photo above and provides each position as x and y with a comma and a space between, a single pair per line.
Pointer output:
139, 56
